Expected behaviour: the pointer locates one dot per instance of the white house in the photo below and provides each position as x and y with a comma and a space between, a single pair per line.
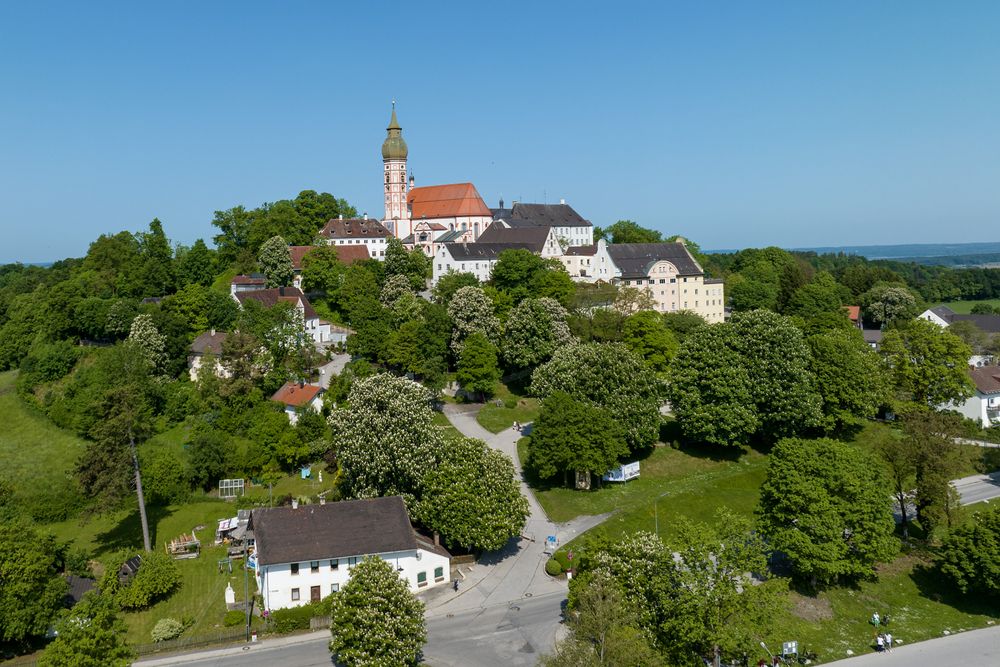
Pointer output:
298, 395
358, 232
984, 406
317, 329
207, 345
566, 224
590, 263
304, 553
944, 316
475, 258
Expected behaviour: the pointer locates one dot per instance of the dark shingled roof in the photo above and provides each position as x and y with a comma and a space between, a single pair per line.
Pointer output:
209, 342
275, 295
988, 323
333, 530
987, 379
582, 250
485, 251
534, 237
543, 215
635, 259
354, 228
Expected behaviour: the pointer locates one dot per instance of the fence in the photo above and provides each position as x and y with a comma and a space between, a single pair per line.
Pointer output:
228, 636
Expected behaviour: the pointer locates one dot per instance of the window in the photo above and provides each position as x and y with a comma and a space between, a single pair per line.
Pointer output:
314, 566
352, 561
295, 570
663, 280
421, 579
439, 574
334, 588
334, 563
295, 595
673, 280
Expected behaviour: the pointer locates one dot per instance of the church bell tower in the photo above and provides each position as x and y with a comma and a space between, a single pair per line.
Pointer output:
394, 151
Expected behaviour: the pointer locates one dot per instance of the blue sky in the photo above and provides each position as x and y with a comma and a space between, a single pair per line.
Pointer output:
735, 124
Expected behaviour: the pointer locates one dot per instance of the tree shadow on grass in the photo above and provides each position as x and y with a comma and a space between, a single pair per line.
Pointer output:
671, 434
935, 587
128, 533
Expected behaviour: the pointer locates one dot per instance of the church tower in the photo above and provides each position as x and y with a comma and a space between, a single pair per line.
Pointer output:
394, 151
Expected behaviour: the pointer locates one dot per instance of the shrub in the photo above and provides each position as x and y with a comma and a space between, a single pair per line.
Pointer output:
156, 578
563, 559
234, 618
510, 403
167, 628
292, 619
553, 567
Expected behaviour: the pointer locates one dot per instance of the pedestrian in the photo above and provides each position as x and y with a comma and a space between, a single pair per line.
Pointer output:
875, 620
455, 584
888, 642
879, 644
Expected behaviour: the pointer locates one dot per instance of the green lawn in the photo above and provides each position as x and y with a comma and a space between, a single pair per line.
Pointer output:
450, 432
965, 307
36, 453
498, 418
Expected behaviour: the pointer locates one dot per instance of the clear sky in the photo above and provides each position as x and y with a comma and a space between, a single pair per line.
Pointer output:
735, 124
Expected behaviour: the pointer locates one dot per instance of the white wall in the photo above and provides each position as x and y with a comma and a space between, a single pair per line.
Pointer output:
376, 244
277, 581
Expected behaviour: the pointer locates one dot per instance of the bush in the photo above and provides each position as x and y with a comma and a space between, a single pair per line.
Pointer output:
167, 628
563, 560
553, 568
510, 403
294, 618
58, 501
234, 618
156, 578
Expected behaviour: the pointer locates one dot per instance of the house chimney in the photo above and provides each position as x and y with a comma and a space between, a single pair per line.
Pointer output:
437, 539
366, 216
501, 202
341, 216
302, 384
322, 500
295, 503
562, 201
212, 333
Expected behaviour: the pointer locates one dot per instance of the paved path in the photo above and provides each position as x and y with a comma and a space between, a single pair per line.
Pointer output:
332, 368
978, 488
976, 648
978, 443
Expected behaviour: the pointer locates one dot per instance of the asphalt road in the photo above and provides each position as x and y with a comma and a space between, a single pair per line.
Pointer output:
500, 636
978, 488
976, 648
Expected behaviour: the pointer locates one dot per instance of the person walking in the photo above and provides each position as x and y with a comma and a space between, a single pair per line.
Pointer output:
888, 642
879, 644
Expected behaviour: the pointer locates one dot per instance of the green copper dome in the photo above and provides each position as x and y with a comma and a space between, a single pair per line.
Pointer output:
394, 148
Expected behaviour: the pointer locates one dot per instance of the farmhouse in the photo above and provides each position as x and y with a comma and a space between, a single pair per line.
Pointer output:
297, 396
317, 329
207, 346
371, 234
984, 406
304, 553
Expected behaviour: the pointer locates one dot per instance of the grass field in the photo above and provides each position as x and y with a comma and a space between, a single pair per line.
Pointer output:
36, 454
687, 483
499, 418
965, 307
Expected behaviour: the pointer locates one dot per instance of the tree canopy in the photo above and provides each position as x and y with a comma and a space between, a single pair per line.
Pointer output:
928, 363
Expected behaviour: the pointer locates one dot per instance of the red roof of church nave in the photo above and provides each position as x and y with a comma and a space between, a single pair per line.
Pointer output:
446, 201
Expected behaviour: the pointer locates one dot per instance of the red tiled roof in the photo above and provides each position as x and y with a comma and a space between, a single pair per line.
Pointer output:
297, 252
446, 201
292, 394
853, 312
271, 297
348, 254
987, 379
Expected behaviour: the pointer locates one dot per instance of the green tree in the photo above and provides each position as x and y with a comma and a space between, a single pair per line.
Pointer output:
375, 620
573, 435
473, 498
412, 264
110, 464
970, 555
886, 303
609, 376
155, 579
646, 334
322, 271
208, 457
822, 295
937, 459
777, 360
824, 505
850, 377
471, 311
602, 631
233, 239
157, 257
31, 590
386, 439
92, 634
276, 262
628, 231
899, 455
710, 390
477, 370
535, 329
196, 266
682, 323
450, 283
928, 363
